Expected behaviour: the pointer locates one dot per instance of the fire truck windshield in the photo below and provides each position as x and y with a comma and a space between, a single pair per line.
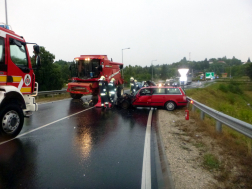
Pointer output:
87, 69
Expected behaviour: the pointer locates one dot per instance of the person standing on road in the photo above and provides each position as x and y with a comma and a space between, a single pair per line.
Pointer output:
103, 91
132, 85
112, 90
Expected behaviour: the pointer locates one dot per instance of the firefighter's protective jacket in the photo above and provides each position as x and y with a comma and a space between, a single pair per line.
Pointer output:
103, 88
111, 88
132, 86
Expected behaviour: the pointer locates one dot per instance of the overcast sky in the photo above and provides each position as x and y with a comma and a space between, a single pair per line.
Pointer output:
166, 30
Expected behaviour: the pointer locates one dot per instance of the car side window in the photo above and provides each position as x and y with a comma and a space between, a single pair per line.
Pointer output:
173, 91
145, 92
159, 91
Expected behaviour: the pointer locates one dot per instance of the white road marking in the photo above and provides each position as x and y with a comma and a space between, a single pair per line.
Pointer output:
146, 171
45, 126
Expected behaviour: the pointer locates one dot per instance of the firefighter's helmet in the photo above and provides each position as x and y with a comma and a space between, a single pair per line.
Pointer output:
135, 80
102, 78
131, 78
113, 79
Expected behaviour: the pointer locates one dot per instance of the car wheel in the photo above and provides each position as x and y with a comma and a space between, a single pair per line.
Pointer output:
125, 105
170, 106
12, 120
76, 96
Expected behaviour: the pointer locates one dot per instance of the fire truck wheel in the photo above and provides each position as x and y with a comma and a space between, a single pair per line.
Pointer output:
12, 120
170, 105
76, 96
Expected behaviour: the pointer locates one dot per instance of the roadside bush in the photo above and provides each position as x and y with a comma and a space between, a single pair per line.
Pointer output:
223, 88
234, 88
231, 87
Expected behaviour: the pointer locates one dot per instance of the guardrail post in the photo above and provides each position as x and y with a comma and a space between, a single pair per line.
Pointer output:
193, 108
218, 126
202, 115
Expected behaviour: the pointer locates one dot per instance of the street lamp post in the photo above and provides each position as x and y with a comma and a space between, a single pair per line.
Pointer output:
6, 13
122, 53
122, 59
152, 68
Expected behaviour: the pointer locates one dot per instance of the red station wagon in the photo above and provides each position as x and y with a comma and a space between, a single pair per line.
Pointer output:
154, 96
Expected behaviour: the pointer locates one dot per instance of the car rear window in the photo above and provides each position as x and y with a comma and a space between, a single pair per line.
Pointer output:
173, 91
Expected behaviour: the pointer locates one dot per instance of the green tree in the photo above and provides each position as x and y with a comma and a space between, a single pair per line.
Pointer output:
49, 76
249, 70
64, 69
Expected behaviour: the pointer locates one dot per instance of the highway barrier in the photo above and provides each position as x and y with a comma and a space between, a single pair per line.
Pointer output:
221, 118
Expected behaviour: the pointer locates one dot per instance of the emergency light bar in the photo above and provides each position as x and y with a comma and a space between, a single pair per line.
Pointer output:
4, 26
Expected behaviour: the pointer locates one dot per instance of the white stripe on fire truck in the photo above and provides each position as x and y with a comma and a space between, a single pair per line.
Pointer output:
3, 34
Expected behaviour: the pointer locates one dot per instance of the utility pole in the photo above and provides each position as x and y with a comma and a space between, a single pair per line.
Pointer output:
6, 13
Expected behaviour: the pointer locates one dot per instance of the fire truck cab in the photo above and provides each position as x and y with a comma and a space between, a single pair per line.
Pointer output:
86, 72
17, 82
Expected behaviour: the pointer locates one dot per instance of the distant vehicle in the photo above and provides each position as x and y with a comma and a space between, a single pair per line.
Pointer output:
154, 96
189, 80
169, 82
175, 84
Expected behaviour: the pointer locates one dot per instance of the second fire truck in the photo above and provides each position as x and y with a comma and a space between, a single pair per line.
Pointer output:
86, 72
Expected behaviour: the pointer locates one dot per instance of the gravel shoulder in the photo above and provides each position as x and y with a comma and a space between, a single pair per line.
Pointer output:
185, 153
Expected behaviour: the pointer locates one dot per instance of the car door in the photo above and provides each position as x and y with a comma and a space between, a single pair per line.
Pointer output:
158, 97
143, 97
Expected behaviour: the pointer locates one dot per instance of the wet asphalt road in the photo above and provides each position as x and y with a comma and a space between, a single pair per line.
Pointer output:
92, 149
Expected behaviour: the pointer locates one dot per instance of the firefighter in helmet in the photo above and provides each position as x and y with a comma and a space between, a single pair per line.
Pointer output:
112, 90
132, 85
103, 91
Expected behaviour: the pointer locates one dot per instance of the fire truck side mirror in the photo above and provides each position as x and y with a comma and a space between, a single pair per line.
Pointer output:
121, 66
36, 49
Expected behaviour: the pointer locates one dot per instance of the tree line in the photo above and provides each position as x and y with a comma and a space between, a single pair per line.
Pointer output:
53, 75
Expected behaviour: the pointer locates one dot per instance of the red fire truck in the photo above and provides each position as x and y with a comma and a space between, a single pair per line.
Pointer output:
86, 72
17, 82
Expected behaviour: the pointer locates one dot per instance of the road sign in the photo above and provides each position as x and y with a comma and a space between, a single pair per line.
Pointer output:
209, 75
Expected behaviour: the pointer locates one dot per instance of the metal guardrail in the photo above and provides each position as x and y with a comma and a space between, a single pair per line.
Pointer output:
40, 93
221, 118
